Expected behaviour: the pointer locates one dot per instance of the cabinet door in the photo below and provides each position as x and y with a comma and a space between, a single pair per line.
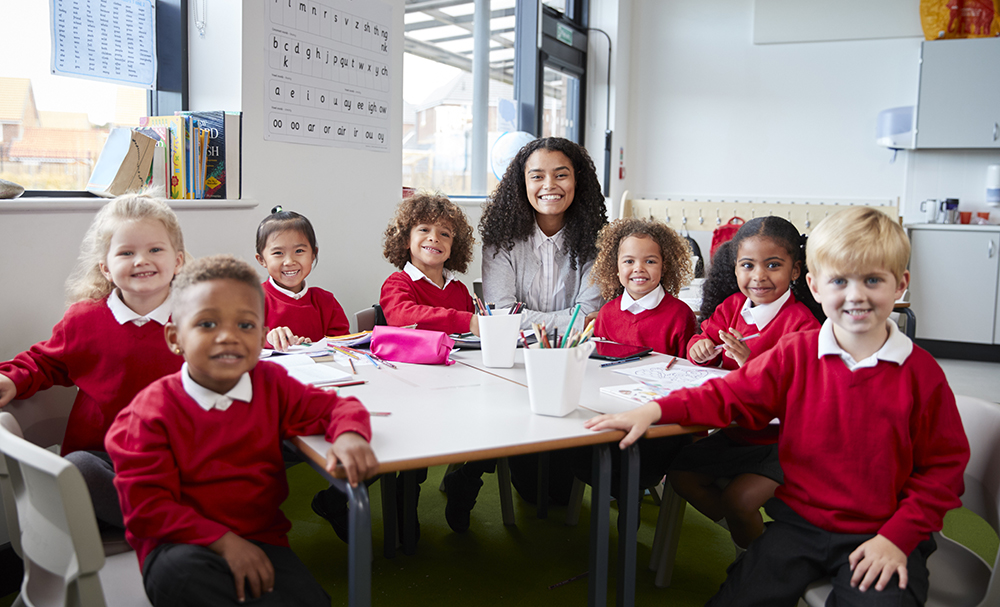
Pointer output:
959, 100
953, 284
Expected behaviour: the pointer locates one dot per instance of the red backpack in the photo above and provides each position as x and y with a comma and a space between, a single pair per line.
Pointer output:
724, 233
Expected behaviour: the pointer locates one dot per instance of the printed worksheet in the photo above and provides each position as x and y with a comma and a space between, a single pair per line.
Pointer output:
671, 379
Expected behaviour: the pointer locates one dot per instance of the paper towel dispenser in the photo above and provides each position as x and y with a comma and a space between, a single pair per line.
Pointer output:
896, 128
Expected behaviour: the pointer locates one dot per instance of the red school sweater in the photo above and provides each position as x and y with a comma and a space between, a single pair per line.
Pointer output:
187, 476
406, 301
793, 316
666, 328
877, 450
315, 315
108, 362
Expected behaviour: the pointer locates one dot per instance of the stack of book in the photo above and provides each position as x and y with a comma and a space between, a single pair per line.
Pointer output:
189, 155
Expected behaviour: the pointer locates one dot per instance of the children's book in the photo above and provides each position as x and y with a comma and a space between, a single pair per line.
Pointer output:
124, 164
175, 126
234, 158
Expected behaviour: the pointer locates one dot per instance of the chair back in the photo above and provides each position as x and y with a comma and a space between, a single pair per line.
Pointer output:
43, 416
981, 420
56, 529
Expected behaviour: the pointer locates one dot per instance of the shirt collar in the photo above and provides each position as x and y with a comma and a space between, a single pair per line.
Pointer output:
896, 349
649, 301
209, 399
285, 291
415, 274
124, 314
539, 237
763, 314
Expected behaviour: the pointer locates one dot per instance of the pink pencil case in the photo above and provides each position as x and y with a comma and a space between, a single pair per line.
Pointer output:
412, 345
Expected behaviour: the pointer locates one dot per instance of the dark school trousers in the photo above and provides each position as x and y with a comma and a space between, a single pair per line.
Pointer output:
792, 553
186, 574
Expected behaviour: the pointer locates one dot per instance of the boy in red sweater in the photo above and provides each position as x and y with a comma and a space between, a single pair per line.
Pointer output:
871, 443
198, 453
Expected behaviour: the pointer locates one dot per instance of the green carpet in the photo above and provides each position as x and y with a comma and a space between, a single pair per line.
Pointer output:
496, 565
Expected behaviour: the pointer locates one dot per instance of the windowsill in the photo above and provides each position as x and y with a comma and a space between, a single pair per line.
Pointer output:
62, 205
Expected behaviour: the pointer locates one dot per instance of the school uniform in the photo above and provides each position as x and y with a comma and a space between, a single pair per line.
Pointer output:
657, 320
312, 312
194, 465
409, 298
875, 446
731, 452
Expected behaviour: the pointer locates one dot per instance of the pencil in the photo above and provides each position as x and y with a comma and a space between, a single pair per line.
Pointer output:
748, 337
671, 363
353, 370
380, 413
572, 320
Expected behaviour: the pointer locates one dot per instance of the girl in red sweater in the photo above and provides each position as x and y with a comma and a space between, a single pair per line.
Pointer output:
296, 313
640, 267
429, 240
755, 287
109, 344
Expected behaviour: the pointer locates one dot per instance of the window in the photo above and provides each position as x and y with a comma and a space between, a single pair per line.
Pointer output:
52, 128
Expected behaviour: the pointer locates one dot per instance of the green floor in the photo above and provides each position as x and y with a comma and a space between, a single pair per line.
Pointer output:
496, 565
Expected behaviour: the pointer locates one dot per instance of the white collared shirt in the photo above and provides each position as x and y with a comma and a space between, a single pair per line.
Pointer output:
209, 399
546, 286
285, 291
415, 274
896, 349
124, 314
649, 301
763, 314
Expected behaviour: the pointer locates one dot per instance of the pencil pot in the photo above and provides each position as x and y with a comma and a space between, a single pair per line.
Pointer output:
555, 376
498, 339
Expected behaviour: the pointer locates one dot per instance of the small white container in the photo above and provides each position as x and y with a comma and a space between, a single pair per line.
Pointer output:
993, 185
555, 376
498, 339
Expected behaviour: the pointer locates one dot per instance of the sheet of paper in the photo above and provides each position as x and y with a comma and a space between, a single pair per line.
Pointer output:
672, 379
289, 361
318, 375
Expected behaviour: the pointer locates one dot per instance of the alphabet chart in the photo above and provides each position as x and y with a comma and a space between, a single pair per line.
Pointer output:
328, 73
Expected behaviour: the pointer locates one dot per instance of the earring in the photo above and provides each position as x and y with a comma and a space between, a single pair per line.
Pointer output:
177, 350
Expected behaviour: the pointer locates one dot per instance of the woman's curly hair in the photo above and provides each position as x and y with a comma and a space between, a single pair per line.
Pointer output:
508, 217
674, 250
721, 280
429, 208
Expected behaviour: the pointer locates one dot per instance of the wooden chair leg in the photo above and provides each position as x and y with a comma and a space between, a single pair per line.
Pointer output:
667, 536
506, 500
575, 502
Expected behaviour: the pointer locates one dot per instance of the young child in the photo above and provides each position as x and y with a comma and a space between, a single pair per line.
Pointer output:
429, 240
198, 453
109, 344
754, 287
641, 266
872, 444
296, 313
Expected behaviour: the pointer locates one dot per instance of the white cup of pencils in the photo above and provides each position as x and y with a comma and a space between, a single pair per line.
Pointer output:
498, 339
555, 368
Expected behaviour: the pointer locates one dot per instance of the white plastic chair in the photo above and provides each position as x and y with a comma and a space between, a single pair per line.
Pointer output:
958, 576
55, 533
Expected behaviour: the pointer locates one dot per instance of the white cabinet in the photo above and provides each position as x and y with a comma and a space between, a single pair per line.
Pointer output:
954, 273
959, 99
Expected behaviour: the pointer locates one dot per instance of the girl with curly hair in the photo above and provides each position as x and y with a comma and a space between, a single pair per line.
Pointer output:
755, 287
295, 312
641, 266
539, 230
429, 240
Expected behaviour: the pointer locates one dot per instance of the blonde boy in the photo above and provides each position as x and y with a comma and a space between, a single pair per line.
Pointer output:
871, 442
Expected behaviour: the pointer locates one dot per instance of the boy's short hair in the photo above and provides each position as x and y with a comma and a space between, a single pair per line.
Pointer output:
858, 239
213, 267
430, 208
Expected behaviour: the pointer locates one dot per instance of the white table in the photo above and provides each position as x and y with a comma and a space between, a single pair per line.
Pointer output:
458, 413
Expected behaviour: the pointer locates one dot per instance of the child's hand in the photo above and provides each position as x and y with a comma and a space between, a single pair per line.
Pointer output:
7, 390
474, 325
733, 347
703, 351
590, 317
282, 338
878, 558
353, 452
635, 422
247, 562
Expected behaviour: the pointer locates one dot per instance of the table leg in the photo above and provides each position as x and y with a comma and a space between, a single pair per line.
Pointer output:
389, 531
600, 504
628, 521
359, 548
409, 489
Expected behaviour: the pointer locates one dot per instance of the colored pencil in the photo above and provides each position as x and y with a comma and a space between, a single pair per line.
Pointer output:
671, 363
748, 337
572, 320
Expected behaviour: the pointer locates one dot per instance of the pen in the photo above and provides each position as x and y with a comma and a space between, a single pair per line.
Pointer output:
624, 360
721, 346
